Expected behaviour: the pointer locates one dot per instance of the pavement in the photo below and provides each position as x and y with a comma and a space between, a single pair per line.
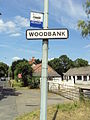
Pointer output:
14, 103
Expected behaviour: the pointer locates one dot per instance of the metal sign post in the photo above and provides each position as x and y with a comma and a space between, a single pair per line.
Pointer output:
45, 34
43, 110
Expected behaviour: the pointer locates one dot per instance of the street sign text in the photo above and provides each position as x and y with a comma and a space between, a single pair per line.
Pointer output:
47, 34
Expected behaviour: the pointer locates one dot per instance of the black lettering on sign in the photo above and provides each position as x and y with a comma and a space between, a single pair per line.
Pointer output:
36, 17
63, 33
45, 33
58, 33
54, 34
41, 34
36, 34
49, 33
31, 34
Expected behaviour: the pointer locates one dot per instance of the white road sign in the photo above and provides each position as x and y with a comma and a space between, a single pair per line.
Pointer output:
47, 34
36, 19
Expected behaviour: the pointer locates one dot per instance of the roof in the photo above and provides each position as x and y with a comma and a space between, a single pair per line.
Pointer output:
51, 72
78, 71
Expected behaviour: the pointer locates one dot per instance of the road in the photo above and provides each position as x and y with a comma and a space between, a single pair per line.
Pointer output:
14, 103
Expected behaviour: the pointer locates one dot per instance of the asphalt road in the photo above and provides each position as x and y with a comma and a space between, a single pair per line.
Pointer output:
14, 103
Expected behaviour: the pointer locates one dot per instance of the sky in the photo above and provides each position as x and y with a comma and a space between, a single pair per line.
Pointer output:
15, 20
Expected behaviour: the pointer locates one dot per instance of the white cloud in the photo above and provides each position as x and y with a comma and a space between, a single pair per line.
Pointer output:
15, 58
67, 12
2, 26
21, 21
14, 27
87, 46
70, 8
50, 59
15, 35
8, 27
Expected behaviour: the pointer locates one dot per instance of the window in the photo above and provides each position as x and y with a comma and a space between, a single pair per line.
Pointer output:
69, 77
84, 78
79, 77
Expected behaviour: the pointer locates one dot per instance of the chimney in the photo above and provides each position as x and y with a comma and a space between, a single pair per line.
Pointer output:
32, 61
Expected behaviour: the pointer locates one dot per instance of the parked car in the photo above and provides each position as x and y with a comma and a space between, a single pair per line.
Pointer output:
3, 79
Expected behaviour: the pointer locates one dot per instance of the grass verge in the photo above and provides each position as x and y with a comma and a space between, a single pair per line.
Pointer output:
68, 111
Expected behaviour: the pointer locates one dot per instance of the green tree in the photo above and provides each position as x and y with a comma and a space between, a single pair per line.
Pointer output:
61, 64
80, 62
14, 64
3, 69
66, 63
37, 61
55, 64
85, 25
25, 69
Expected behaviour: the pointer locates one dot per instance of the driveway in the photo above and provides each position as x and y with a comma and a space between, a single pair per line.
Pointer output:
14, 103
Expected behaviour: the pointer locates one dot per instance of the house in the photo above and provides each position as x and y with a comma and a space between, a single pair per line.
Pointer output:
79, 75
54, 79
53, 76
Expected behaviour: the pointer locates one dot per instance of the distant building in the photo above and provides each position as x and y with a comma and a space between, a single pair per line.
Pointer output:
32, 61
53, 77
51, 72
79, 75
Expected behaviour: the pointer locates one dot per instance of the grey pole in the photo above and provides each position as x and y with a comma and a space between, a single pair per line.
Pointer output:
43, 109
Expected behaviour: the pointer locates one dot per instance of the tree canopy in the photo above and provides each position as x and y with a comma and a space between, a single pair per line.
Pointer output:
3, 69
14, 64
61, 64
80, 62
25, 69
84, 25
64, 63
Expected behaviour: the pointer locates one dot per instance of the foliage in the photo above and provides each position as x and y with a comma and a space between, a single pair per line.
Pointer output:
14, 64
55, 64
16, 84
80, 63
3, 69
24, 68
68, 111
69, 106
37, 61
34, 82
66, 62
10, 72
63, 63
85, 25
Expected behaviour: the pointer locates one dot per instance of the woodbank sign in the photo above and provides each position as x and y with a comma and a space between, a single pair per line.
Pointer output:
47, 34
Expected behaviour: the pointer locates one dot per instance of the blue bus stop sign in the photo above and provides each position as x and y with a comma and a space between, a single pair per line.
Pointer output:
36, 20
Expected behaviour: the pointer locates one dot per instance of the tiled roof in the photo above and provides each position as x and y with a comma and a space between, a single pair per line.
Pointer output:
37, 71
78, 71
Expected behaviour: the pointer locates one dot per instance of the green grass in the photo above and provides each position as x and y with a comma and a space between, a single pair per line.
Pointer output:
68, 106
68, 111
36, 114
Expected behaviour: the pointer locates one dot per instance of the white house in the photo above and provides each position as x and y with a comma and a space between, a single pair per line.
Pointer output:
79, 75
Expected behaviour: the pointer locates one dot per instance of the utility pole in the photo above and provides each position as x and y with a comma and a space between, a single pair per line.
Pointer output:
43, 109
